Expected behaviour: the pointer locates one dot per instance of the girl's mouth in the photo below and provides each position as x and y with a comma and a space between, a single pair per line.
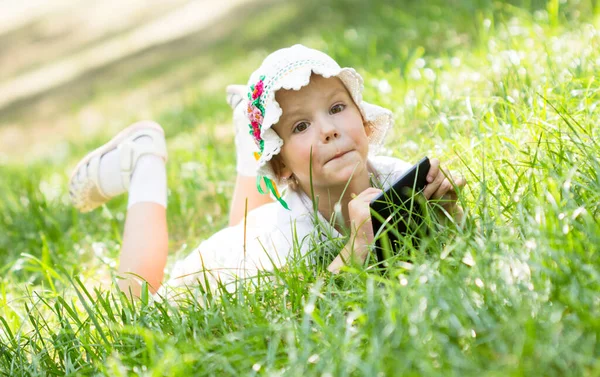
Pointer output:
338, 155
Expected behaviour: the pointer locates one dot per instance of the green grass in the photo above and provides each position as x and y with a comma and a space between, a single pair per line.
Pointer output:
508, 94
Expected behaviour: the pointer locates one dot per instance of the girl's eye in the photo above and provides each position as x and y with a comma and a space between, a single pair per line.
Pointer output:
337, 108
300, 127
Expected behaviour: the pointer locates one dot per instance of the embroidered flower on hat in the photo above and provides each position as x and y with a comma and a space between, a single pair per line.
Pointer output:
257, 91
256, 115
256, 112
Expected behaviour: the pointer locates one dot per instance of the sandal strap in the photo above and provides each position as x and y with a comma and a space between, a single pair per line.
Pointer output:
130, 152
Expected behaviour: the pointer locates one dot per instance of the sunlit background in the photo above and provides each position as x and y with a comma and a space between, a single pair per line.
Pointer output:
71, 68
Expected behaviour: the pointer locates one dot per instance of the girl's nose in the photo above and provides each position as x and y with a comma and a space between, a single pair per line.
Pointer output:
332, 135
329, 131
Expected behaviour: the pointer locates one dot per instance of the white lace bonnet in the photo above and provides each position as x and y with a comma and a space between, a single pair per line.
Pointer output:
291, 68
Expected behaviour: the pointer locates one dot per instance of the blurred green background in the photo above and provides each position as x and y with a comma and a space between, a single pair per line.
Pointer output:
71, 70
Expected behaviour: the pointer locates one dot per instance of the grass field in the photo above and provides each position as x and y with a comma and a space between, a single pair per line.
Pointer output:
506, 92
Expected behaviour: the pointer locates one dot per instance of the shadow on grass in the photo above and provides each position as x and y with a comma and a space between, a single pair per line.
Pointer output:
265, 24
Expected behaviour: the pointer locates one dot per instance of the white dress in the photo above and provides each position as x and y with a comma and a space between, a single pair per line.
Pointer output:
272, 235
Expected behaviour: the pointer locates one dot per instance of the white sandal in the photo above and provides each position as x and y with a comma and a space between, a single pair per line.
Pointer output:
84, 184
235, 95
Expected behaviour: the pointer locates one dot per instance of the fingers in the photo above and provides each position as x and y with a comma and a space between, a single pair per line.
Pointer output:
437, 178
433, 169
367, 195
360, 214
448, 186
460, 181
441, 182
444, 187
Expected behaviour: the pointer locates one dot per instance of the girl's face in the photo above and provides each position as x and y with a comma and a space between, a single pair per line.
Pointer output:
323, 117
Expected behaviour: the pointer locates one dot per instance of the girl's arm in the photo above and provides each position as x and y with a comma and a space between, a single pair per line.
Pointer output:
354, 252
245, 189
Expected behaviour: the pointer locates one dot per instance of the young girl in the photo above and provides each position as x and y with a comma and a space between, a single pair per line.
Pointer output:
308, 124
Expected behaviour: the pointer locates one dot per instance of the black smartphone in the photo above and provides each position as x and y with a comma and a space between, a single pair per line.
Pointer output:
395, 211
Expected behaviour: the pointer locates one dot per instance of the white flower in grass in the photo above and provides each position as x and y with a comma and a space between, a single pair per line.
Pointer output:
479, 283
51, 189
578, 211
565, 75
529, 43
540, 15
411, 99
350, 34
415, 74
429, 74
24, 201
468, 259
513, 57
99, 248
384, 87
445, 91
444, 119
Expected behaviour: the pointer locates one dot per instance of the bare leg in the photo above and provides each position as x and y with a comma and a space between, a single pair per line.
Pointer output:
145, 247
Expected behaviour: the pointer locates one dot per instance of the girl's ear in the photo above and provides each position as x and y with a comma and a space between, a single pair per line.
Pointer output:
279, 167
285, 171
368, 127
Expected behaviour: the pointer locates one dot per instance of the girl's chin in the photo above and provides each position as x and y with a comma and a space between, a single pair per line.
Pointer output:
337, 176
342, 178
347, 171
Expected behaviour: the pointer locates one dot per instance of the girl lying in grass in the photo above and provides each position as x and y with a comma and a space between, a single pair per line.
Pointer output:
301, 109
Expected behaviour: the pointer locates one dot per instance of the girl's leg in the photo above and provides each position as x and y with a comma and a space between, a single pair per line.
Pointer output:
132, 161
145, 247
145, 242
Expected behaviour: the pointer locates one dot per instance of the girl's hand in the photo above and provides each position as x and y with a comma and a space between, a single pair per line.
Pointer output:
442, 186
361, 231
359, 213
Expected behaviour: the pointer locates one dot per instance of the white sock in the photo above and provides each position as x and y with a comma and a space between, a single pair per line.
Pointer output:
148, 180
